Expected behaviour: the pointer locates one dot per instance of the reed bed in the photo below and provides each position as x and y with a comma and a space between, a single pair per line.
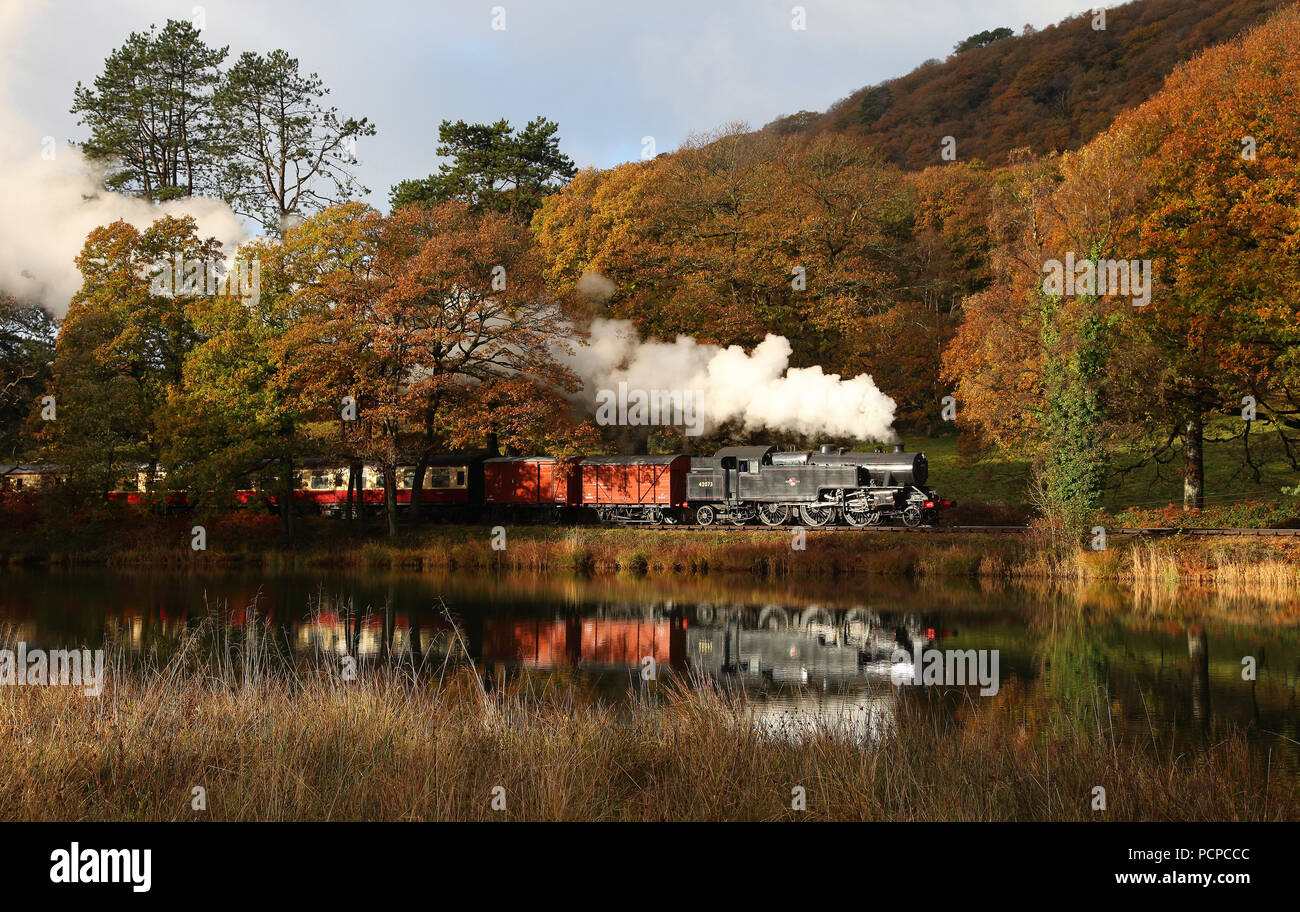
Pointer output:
435, 740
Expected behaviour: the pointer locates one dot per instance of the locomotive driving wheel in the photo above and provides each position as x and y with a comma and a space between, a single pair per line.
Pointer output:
705, 515
912, 516
816, 515
773, 514
861, 516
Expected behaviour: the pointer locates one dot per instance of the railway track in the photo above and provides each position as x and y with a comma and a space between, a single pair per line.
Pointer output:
1150, 531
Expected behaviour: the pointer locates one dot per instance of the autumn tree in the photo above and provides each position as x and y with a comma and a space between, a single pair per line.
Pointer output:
325, 370
1174, 183
487, 328
231, 421
433, 320
1220, 149
1051, 90
122, 347
736, 235
1033, 365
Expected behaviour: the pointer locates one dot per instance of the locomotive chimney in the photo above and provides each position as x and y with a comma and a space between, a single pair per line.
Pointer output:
829, 449
898, 448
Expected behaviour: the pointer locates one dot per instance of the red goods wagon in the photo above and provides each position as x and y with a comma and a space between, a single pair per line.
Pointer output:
627, 643
531, 642
532, 481
599, 642
635, 488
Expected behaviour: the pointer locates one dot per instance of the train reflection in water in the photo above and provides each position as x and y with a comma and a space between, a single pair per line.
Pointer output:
800, 670
769, 646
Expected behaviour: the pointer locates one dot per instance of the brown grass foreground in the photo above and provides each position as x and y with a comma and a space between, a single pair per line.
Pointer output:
294, 745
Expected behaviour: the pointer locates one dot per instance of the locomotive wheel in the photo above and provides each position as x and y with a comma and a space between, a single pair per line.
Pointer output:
861, 517
773, 514
912, 516
817, 516
705, 515
738, 518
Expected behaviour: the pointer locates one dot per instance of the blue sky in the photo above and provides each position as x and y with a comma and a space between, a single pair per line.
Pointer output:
610, 73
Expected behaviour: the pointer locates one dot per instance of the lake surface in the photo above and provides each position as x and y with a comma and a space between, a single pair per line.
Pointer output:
1157, 664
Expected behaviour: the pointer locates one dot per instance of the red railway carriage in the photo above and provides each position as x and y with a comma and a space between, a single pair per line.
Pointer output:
453, 480
532, 481
635, 488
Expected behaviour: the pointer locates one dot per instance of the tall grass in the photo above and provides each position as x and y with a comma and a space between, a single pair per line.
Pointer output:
431, 740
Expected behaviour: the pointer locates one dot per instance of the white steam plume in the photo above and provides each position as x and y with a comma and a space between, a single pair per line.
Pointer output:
758, 388
50, 199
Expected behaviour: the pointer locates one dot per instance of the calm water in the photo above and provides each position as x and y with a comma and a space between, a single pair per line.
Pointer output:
1155, 664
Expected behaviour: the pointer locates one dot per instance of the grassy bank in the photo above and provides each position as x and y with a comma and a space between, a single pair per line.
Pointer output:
1001, 482
253, 541
301, 744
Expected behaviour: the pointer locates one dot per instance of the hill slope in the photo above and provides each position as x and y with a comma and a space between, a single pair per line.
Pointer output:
1047, 90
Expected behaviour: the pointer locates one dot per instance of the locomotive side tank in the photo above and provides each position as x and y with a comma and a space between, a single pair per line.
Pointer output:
886, 469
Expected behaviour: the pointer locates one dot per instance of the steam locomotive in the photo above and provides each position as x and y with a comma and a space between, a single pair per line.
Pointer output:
736, 485
817, 487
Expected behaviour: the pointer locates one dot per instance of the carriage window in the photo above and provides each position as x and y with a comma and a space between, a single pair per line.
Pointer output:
446, 477
408, 478
322, 481
743, 465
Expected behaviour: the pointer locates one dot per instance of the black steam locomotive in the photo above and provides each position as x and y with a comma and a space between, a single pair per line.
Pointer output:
735, 485
814, 487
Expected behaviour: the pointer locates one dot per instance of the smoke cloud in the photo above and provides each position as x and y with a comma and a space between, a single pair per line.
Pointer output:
52, 199
759, 388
